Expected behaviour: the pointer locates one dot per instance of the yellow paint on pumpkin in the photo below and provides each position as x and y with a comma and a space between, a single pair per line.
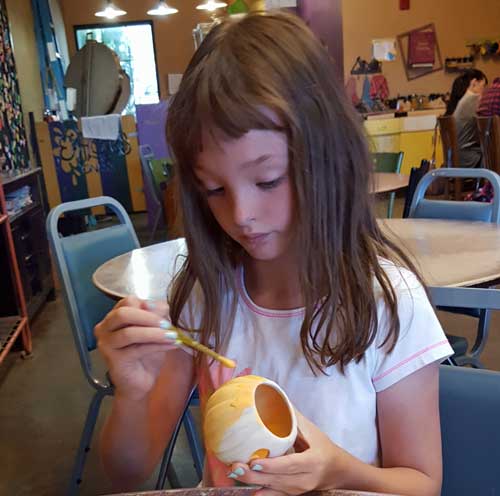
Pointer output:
225, 407
260, 453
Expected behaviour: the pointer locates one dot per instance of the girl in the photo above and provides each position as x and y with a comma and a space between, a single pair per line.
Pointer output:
288, 274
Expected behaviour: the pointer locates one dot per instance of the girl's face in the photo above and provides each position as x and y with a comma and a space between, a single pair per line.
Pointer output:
248, 189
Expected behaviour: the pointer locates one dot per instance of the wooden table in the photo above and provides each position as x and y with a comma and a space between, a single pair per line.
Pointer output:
448, 253
241, 491
385, 182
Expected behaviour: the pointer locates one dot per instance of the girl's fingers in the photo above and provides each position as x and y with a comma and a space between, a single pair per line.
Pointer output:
160, 308
292, 464
135, 335
138, 351
126, 316
129, 301
271, 481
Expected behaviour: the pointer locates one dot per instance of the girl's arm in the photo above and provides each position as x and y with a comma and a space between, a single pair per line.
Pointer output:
152, 379
410, 438
137, 431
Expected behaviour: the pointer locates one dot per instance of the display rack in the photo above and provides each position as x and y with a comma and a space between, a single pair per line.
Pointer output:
14, 313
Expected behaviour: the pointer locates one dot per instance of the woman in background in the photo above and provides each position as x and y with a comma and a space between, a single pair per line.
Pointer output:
465, 113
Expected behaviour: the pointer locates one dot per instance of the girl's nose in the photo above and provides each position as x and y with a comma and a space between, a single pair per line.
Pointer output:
243, 211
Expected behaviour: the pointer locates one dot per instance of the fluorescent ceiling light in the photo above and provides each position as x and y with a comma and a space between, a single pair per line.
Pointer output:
110, 11
162, 9
211, 5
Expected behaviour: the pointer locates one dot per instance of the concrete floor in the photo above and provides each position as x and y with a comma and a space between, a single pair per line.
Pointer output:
43, 403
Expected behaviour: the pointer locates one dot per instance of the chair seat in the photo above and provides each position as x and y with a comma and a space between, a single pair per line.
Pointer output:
459, 344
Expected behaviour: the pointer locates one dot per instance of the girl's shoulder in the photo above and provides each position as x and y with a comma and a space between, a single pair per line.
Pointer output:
403, 280
421, 339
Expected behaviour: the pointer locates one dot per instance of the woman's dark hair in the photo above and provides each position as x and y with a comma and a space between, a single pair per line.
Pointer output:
460, 86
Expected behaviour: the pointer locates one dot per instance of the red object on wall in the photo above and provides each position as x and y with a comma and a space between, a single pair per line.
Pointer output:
404, 4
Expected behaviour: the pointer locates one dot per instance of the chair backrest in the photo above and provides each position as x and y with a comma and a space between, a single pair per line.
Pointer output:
76, 258
469, 401
456, 210
489, 137
387, 161
416, 174
449, 140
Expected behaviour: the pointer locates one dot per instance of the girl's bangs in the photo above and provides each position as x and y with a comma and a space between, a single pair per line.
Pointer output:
226, 112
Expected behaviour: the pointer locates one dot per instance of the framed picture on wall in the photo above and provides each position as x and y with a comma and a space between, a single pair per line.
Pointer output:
420, 51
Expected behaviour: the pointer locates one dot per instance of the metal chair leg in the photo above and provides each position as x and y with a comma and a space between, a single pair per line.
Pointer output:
473, 358
194, 443
163, 473
84, 446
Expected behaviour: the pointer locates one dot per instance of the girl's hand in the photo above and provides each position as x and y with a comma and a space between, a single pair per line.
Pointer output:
316, 464
134, 340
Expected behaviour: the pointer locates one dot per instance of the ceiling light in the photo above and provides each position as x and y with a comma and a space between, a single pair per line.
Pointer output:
211, 5
110, 11
162, 9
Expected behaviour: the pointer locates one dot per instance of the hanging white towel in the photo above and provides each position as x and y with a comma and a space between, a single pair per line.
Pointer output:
101, 127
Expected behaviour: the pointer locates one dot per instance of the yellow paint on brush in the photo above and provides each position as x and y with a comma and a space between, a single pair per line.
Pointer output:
226, 406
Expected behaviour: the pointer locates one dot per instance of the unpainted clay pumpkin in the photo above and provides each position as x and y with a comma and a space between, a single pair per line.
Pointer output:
249, 417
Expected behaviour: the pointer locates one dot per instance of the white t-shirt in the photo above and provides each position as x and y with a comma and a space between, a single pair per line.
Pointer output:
267, 343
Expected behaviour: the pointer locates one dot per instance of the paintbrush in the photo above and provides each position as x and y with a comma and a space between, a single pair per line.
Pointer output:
187, 341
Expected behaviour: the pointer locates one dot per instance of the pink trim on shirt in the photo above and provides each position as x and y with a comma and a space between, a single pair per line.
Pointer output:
409, 359
264, 312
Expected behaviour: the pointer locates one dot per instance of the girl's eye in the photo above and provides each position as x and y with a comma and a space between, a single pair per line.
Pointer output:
270, 184
214, 192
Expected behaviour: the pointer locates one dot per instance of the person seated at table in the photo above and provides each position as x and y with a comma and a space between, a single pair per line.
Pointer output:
288, 274
458, 89
489, 104
469, 148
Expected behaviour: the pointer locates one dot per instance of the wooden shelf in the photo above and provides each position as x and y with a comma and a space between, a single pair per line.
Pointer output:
10, 328
23, 211
10, 178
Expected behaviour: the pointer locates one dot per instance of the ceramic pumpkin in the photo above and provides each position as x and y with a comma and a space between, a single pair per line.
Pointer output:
249, 417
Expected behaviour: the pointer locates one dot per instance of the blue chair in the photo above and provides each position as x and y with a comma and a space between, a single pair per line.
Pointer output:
456, 210
416, 174
76, 258
388, 162
461, 210
469, 402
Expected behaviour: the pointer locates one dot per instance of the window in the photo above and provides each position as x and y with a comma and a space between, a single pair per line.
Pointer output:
133, 42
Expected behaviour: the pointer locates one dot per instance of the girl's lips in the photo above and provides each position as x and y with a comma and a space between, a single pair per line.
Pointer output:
255, 238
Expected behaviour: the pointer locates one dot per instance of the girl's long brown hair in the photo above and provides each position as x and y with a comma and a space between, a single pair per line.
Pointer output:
272, 61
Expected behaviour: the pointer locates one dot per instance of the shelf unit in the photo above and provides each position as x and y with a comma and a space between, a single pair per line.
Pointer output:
16, 323
24, 258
